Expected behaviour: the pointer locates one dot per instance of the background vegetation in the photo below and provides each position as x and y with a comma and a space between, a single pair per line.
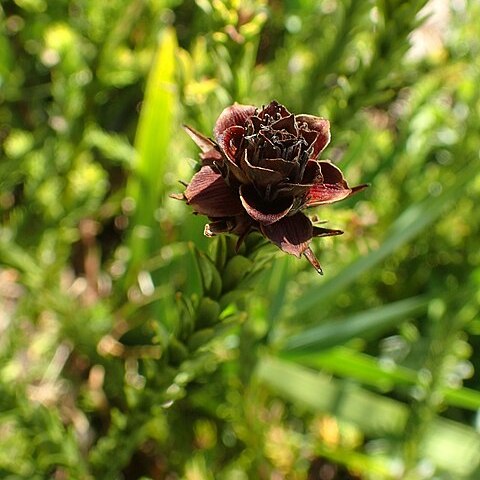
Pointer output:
133, 347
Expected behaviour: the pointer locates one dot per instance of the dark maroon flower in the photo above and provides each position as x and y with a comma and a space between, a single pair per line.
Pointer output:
260, 172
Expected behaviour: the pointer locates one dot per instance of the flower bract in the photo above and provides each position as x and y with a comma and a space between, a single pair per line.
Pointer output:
260, 171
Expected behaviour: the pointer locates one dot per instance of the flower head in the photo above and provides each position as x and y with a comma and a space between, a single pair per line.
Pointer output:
260, 171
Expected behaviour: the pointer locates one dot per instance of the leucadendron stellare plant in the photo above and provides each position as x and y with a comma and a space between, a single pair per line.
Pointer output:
257, 175
260, 171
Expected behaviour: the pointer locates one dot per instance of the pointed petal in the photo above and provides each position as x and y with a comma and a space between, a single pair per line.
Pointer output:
201, 140
319, 125
325, 232
279, 165
312, 173
359, 188
310, 136
286, 123
262, 211
258, 175
291, 234
230, 141
291, 190
234, 115
332, 174
211, 157
333, 188
311, 177
310, 256
209, 195
325, 193
210, 154
237, 172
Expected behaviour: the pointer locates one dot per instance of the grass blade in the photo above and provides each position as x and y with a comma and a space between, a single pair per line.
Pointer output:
346, 362
152, 145
368, 370
371, 322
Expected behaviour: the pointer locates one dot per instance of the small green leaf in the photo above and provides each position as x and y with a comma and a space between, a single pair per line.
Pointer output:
211, 279
200, 338
178, 352
186, 314
207, 312
219, 251
236, 268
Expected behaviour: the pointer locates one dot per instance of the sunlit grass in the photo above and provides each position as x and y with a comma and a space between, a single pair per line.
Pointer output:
131, 346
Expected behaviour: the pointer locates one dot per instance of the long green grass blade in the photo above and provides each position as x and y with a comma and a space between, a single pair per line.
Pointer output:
152, 143
346, 362
368, 370
372, 322
463, 398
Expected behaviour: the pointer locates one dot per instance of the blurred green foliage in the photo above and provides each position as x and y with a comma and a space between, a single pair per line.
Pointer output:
133, 347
